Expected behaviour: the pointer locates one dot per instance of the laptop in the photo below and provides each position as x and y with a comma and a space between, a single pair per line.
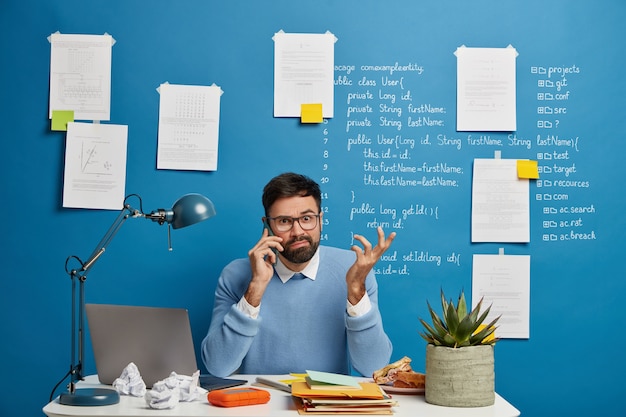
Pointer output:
156, 339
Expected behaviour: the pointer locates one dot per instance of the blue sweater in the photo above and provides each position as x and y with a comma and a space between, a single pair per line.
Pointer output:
302, 324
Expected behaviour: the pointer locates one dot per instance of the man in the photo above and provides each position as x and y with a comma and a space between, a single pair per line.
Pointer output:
294, 305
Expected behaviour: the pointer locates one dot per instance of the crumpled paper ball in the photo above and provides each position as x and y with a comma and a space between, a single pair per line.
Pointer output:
168, 392
130, 382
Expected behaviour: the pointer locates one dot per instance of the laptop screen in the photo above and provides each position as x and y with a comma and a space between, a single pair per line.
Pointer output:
158, 340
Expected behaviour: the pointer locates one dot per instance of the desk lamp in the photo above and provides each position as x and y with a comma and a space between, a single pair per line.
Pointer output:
187, 210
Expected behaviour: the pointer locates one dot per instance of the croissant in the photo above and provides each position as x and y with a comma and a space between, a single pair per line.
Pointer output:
389, 373
410, 379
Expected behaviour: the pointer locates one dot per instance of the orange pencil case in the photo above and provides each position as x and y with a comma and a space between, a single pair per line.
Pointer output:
233, 397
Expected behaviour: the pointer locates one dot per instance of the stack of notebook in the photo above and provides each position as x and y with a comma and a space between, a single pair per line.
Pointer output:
328, 393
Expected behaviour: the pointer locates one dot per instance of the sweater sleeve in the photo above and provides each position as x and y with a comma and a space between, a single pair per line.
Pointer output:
369, 346
231, 331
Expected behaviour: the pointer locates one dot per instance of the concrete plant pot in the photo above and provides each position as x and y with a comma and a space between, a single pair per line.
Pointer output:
460, 377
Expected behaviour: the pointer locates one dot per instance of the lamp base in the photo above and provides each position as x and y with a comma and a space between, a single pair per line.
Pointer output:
90, 397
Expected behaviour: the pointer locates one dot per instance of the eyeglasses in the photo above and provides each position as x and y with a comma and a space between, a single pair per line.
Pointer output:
285, 223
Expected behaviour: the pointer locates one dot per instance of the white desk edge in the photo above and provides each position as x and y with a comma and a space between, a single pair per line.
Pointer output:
280, 405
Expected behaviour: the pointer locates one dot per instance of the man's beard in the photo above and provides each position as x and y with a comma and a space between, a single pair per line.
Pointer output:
300, 255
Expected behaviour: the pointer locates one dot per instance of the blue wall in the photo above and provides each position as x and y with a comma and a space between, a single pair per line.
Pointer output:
572, 363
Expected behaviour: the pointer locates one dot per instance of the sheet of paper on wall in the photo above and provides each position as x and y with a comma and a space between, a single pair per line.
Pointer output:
500, 202
189, 117
503, 281
95, 166
304, 66
80, 75
486, 89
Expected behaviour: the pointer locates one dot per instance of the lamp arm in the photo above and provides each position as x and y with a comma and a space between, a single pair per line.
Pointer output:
126, 212
80, 275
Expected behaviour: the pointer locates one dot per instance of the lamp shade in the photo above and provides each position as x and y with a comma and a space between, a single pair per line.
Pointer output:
191, 209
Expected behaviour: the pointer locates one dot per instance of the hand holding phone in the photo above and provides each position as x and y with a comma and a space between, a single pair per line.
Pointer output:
262, 257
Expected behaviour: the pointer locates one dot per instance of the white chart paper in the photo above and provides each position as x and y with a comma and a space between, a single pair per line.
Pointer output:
303, 72
486, 89
504, 283
500, 202
95, 166
188, 127
80, 75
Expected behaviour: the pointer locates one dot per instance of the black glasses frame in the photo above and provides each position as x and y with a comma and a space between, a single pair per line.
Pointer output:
294, 220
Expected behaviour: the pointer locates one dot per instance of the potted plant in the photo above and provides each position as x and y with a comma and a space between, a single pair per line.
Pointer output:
459, 355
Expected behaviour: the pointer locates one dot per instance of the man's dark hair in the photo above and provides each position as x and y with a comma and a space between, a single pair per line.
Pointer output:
290, 184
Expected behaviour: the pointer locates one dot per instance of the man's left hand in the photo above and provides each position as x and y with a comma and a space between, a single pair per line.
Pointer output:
366, 258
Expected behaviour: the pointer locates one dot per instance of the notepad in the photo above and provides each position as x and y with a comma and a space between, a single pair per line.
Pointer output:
330, 381
369, 390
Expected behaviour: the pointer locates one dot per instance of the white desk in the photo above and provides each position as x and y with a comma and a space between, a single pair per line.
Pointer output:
280, 405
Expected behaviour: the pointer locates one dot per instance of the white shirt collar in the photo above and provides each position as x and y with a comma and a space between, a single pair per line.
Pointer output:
310, 271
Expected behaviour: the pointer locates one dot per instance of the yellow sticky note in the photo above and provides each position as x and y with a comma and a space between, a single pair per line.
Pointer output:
527, 169
311, 113
60, 119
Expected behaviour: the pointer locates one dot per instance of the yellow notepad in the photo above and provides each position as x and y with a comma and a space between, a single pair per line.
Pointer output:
368, 390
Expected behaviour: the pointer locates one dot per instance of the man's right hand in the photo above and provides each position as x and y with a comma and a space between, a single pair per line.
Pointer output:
262, 259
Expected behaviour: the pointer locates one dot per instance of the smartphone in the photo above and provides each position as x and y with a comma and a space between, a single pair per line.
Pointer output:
212, 383
266, 225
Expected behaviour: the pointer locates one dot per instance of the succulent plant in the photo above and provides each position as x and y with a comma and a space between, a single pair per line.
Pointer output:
459, 327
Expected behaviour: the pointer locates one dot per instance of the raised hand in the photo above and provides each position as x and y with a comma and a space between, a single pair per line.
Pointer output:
366, 258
